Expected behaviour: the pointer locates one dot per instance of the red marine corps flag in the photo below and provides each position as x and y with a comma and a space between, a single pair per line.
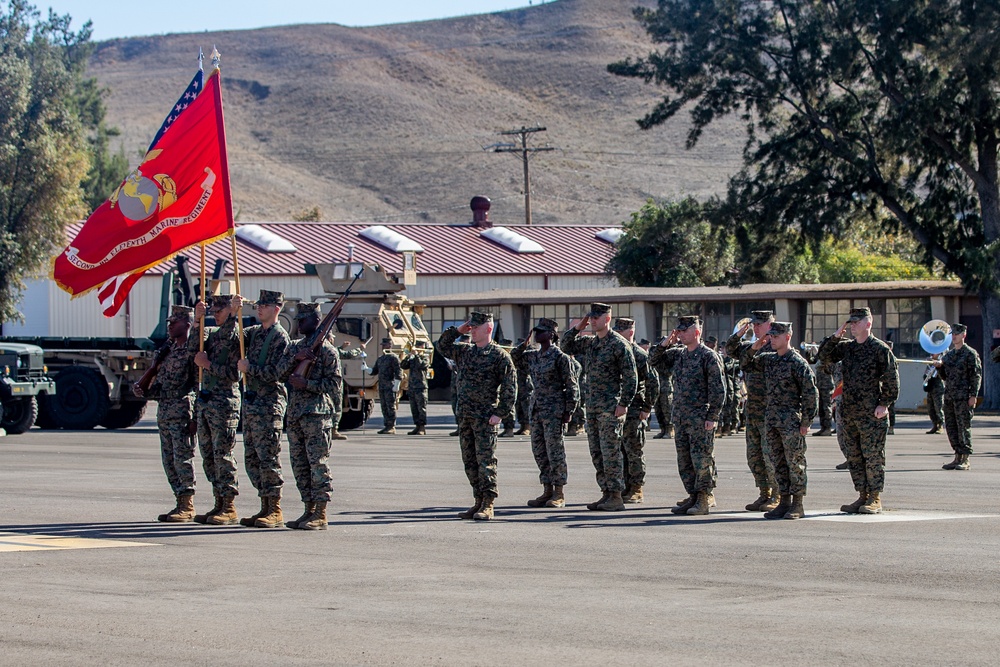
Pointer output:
177, 197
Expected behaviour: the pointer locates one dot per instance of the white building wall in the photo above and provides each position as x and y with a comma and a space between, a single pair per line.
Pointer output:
580, 282
34, 306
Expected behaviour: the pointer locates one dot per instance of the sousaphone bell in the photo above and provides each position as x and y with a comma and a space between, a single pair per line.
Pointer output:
935, 337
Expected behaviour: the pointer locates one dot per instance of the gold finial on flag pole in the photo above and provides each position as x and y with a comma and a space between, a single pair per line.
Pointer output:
216, 57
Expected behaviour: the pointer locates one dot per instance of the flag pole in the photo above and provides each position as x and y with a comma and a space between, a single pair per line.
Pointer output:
239, 315
201, 322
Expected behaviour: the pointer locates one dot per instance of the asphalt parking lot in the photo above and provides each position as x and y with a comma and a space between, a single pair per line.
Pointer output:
87, 578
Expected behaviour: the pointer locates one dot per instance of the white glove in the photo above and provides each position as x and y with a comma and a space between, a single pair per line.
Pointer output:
364, 355
395, 386
365, 368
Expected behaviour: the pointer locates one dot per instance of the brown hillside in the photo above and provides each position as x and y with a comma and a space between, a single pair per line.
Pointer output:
388, 123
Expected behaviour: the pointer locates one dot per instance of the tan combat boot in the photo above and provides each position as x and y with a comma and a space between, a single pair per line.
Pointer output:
203, 518
163, 517
485, 512
701, 504
684, 504
634, 495
471, 512
795, 511
542, 499
572, 430
337, 435
662, 434
185, 509
417, 430
604, 498
388, 430
614, 503
557, 499
855, 507
763, 499
316, 520
507, 432
227, 516
780, 509
310, 507
524, 430
963, 463
874, 504
273, 518
251, 521
951, 465
670, 431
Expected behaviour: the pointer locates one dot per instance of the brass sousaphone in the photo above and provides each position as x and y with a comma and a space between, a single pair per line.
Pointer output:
935, 337
749, 336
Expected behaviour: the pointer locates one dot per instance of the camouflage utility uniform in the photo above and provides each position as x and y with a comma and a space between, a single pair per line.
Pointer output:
962, 372
416, 387
664, 402
556, 393
264, 408
870, 379
173, 391
309, 417
699, 394
486, 387
758, 458
792, 402
389, 371
611, 382
633, 432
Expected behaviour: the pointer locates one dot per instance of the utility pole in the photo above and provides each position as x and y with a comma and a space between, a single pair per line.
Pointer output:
523, 149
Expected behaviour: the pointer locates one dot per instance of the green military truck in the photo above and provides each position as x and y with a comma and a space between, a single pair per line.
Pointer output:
23, 382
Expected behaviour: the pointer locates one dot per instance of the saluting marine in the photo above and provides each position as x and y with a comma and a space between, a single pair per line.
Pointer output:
264, 405
486, 390
417, 363
338, 396
633, 432
700, 393
173, 390
792, 402
612, 384
217, 408
553, 402
870, 384
390, 377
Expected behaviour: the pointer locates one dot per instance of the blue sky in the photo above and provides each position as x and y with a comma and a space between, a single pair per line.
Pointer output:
121, 18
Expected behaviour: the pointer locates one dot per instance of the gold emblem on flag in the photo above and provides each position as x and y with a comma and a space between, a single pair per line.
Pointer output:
140, 197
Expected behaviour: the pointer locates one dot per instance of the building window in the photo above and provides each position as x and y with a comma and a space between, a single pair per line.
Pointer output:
566, 314
895, 320
670, 311
437, 319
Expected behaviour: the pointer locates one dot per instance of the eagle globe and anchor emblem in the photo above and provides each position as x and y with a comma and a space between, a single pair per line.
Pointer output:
140, 197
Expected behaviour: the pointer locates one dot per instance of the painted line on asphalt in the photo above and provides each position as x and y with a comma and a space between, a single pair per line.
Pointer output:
891, 515
27, 542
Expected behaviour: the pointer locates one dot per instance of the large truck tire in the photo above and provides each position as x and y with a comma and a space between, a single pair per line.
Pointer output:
125, 416
81, 401
45, 419
355, 419
19, 414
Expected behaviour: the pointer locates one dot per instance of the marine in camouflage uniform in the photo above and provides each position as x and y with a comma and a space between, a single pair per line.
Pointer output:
522, 408
934, 386
338, 398
553, 403
633, 431
510, 421
417, 364
612, 383
731, 370
173, 390
217, 408
264, 409
390, 376
825, 387
758, 458
579, 419
665, 403
309, 417
712, 343
487, 390
699, 394
871, 383
792, 402
962, 372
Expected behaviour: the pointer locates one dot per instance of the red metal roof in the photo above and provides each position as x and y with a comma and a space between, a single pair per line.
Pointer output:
448, 249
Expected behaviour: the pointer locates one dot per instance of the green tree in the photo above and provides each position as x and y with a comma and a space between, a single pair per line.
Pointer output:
671, 245
852, 107
847, 263
107, 169
43, 155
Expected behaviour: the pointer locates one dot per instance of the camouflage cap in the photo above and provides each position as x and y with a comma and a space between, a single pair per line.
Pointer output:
545, 324
779, 328
685, 322
624, 324
306, 308
761, 316
220, 301
386, 342
644, 341
959, 328
598, 309
477, 318
858, 314
178, 313
712, 339
270, 298
507, 342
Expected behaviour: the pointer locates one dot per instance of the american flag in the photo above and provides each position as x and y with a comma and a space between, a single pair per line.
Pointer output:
113, 293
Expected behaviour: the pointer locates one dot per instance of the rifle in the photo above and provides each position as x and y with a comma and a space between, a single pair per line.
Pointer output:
146, 381
325, 327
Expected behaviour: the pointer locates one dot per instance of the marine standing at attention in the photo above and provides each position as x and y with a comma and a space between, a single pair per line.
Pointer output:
417, 364
390, 377
962, 372
612, 384
486, 389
